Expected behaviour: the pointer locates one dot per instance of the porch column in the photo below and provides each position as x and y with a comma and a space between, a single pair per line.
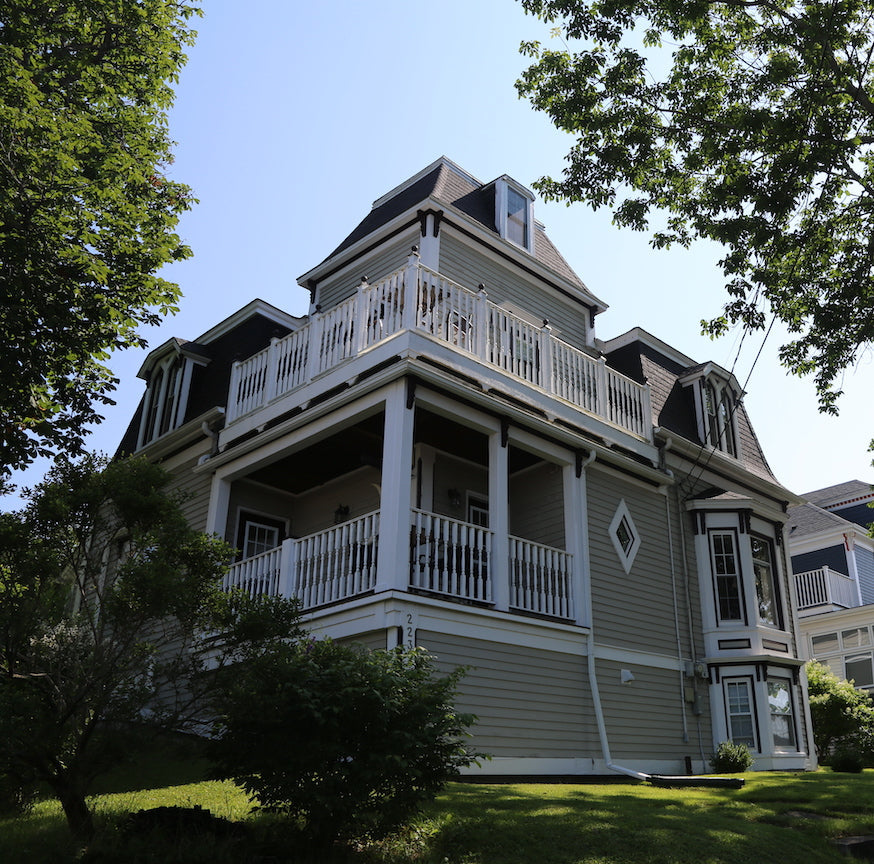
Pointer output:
219, 501
576, 532
393, 561
499, 519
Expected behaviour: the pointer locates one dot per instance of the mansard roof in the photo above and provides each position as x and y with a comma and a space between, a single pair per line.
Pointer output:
647, 360
449, 186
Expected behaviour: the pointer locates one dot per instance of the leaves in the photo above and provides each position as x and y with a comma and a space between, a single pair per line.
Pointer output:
752, 126
86, 210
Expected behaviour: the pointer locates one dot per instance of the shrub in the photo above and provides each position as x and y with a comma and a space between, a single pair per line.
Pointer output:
843, 717
847, 760
16, 796
350, 743
731, 758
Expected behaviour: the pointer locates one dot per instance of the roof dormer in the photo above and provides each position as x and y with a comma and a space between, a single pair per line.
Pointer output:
717, 395
514, 213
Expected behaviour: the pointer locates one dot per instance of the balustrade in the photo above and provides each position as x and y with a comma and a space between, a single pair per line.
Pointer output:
421, 299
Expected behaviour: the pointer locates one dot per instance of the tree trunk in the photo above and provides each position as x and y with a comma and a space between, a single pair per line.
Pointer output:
79, 818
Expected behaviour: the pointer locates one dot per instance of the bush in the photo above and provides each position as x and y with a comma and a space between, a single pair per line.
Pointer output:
16, 796
843, 717
350, 743
847, 760
732, 758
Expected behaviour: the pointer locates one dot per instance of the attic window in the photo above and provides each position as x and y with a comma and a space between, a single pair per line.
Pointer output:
514, 213
165, 400
717, 396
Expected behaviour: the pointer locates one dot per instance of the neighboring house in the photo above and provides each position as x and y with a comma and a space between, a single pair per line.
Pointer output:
833, 565
443, 454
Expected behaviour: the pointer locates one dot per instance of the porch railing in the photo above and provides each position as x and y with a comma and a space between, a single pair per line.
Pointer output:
540, 579
825, 587
450, 557
416, 298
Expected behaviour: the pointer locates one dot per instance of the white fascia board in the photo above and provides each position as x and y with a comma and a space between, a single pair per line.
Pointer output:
254, 307
638, 334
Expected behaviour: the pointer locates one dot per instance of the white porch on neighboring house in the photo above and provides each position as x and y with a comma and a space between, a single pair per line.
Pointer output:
430, 498
825, 590
482, 336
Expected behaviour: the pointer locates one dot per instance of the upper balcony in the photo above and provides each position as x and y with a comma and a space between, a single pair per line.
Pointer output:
418, 300
824, 590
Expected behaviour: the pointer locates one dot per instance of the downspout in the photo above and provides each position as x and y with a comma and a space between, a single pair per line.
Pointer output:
690, 618
590, 658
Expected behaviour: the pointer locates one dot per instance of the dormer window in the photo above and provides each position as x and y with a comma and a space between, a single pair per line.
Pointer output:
717, 396
168, 371
514, 213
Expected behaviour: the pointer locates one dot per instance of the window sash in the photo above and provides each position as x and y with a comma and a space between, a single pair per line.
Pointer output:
782, 713
726, 576
767, 595
739, 708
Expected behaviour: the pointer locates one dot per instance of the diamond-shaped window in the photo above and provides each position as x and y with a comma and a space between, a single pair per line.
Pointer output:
624, 535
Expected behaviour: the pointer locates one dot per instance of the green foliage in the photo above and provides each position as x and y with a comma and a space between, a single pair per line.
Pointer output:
105, 597
731, 758
349, 743
86, 208
847, 760
843, 717
747, 123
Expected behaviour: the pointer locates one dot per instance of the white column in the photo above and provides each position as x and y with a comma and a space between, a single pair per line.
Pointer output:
393, 562
429, 245
576, 532
499, 520
219, 501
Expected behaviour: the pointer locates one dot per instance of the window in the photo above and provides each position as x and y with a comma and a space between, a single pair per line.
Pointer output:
257, 534
824, 644
623, 533
517, 218
717, 395
782, 715
739, 707
164, 404
513, 213
766, 587
726, 576
858, 669
856, 638
478, 512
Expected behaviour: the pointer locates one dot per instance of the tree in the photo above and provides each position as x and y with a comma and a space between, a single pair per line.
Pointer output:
842, 715
107, 600
746, 122
348, 742
86, 210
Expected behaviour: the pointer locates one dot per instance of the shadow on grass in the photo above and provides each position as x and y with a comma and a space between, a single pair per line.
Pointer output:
574, 824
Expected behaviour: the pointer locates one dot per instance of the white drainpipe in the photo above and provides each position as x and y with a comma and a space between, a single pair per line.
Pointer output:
590, 639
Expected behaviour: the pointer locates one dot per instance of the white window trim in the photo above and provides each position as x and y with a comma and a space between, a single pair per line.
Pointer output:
180, 401
749, 683
626, 557
502, 185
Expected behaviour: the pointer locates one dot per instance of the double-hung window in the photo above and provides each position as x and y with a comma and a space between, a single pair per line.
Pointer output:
767, 595
739, 707
726, 576
782, 713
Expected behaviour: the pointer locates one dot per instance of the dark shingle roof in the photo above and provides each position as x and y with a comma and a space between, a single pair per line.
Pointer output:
840, 493
454, 188
806, 519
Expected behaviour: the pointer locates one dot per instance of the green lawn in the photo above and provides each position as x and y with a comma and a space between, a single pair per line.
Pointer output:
775, 818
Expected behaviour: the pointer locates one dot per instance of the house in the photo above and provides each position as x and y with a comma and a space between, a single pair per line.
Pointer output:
444, 454
832, 555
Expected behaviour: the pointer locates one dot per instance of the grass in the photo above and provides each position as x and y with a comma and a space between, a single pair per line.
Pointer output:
775, 817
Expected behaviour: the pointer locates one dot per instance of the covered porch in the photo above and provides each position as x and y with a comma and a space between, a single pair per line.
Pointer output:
428, 499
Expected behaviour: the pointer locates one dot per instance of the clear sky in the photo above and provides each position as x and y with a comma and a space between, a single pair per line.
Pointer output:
291, 118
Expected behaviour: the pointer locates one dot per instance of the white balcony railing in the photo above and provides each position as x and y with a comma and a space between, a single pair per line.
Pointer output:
825, 587
416, 298
448, 557
540, 579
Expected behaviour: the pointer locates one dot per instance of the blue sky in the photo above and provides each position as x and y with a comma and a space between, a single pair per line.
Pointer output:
291, 118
